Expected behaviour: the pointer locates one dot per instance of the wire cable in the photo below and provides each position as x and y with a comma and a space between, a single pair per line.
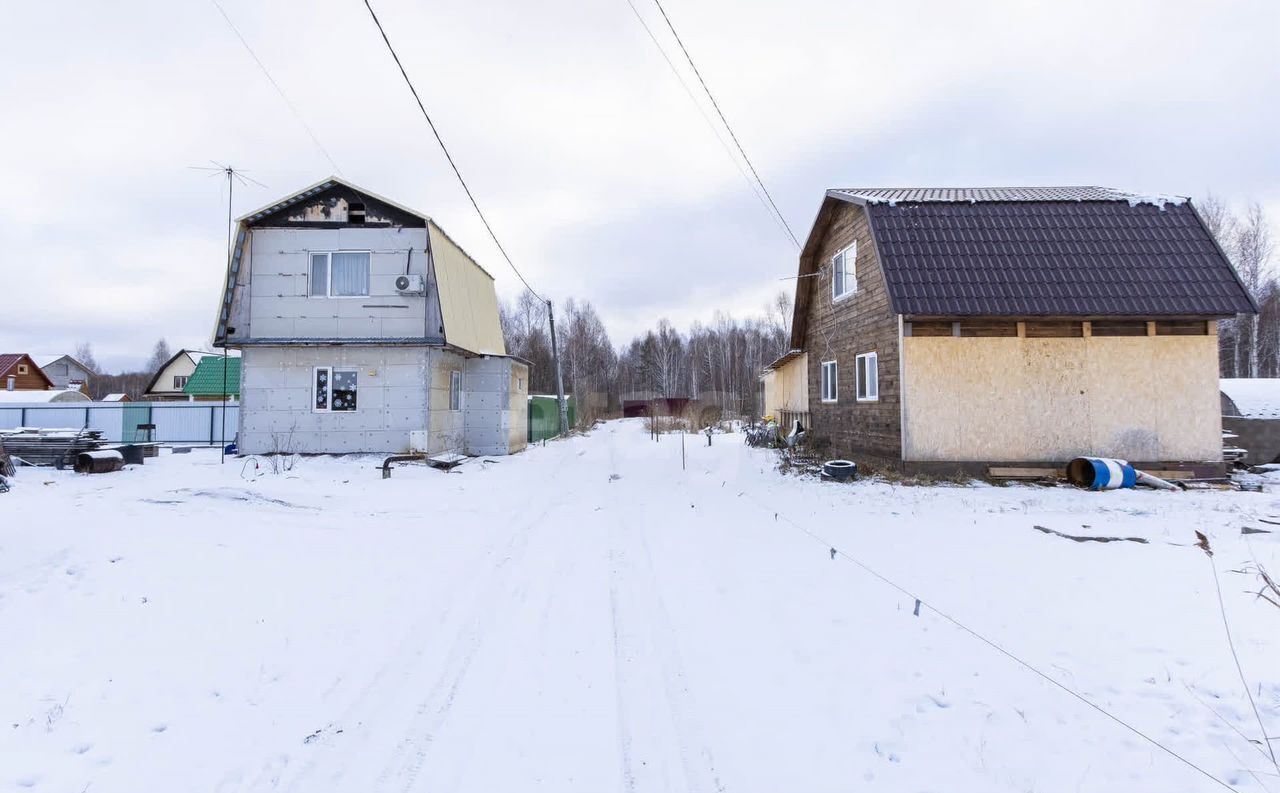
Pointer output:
998, 648
710, 124
727, 126
292, 108
447, 155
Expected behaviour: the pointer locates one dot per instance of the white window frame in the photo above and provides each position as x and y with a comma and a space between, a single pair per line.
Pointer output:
328, 276
867, 362
833, 379
455, 389
848, 258
180, 381
328, 401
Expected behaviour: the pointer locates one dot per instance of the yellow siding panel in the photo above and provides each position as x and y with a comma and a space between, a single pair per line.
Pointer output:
468, 301
787, 387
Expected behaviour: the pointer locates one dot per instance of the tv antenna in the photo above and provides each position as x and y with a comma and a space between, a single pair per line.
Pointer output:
233, 176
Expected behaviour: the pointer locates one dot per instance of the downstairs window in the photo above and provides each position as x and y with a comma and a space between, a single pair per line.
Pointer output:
867, 372
335, 390
830, 381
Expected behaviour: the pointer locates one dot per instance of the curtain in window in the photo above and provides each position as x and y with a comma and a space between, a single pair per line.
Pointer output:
319, 274
837, 275
349, 274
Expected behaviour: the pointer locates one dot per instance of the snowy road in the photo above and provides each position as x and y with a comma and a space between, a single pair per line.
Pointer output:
590, 617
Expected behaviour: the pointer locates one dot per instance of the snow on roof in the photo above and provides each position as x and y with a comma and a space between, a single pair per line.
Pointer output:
1255, 397
973, 195
115, 397
51, 395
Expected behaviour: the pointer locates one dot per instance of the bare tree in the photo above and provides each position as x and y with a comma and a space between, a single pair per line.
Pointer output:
84, 354
1253, 247
160, 355
1248, 344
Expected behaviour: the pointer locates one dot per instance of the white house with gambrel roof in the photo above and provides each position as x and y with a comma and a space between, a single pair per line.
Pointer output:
365, 328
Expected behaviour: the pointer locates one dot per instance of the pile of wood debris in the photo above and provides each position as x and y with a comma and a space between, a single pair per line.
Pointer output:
57, 447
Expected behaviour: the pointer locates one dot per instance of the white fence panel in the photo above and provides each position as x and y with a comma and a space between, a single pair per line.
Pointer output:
69, 417
175, 422
108, 420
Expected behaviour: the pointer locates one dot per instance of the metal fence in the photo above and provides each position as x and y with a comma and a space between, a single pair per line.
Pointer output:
175, 422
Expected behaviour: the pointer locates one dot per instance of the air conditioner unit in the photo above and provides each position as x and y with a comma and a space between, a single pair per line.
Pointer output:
412, 284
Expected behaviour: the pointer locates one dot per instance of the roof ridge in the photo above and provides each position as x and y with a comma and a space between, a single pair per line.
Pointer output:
1025, 194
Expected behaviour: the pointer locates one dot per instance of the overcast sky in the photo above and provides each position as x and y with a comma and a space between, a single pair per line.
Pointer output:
596, 169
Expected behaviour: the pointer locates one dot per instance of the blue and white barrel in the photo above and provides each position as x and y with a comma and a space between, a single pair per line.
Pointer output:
1101, 473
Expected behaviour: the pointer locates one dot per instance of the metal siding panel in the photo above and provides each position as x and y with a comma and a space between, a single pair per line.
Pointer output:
468, 301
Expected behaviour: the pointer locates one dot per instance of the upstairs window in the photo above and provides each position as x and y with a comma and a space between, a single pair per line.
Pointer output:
830, 381
179, 382
335, 390
867, 372
844, 272
340, 274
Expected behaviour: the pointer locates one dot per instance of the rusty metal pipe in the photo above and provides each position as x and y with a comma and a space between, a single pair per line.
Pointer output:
399, 458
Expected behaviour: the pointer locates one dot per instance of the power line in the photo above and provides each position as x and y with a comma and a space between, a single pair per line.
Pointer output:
710, 124
445, 149
293, 109
720, 113
998, 648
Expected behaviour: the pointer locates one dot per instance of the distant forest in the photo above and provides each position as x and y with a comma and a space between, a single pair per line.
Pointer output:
718, 363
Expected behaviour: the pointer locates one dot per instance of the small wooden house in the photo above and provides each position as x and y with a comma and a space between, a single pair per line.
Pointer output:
956, 329
19, 372
65, 371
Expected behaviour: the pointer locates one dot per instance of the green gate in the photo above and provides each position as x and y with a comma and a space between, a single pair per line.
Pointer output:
132, 416
544, 417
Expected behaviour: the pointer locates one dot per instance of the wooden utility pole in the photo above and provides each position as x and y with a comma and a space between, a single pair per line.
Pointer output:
555, 359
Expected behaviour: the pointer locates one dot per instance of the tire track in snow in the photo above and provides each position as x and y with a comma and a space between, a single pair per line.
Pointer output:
380, 691
619, 665
411, 659
433, 710
636, 598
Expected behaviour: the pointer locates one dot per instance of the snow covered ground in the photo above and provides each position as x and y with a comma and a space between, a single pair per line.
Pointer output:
589, 617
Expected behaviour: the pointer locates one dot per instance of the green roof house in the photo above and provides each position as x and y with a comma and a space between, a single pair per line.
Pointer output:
206, 382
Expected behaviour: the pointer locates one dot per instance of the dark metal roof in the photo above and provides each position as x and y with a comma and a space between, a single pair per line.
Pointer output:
875, 195
1051, 257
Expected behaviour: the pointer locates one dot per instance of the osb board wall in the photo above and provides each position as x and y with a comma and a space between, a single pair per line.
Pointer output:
518, 427
787, 388
445, 426
1023, 399
842, 330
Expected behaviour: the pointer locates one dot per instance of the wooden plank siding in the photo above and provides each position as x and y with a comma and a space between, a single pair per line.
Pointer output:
841, 330
26, 375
